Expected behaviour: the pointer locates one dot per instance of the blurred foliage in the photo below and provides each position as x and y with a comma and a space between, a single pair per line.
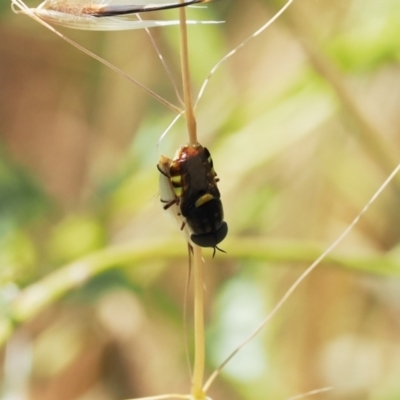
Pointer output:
302, 124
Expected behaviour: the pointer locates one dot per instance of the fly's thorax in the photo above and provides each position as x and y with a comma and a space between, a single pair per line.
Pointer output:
187, 151
193, 175
180, 168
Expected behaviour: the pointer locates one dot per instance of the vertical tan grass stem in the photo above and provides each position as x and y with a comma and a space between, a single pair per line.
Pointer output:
187, 93
199, 356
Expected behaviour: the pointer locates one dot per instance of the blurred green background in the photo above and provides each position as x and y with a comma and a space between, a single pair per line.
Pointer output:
303, 126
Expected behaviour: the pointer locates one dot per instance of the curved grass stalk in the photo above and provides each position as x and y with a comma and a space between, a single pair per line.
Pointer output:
169, 127
30, 13
310, 393
44, 16
164, 64
237, 48
173, 396
301, 278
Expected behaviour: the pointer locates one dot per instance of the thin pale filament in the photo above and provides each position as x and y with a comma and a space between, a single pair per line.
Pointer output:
303, 276
165, 397
31, 14
310, 393
235, 50
165, 65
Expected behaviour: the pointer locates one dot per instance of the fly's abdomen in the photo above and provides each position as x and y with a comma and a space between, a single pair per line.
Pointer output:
206, 219
206, 216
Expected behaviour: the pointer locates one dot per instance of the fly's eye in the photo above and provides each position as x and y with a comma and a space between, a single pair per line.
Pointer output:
211, 239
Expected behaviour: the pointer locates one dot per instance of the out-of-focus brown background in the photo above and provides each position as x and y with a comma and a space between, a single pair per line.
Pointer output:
303, 126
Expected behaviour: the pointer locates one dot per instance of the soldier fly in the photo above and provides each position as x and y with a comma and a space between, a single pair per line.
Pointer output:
193, 182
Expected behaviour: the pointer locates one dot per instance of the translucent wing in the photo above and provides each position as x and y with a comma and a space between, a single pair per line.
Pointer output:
167, 196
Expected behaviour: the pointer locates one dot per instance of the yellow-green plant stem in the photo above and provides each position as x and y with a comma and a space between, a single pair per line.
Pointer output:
199, 354
187, 93
35, 298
